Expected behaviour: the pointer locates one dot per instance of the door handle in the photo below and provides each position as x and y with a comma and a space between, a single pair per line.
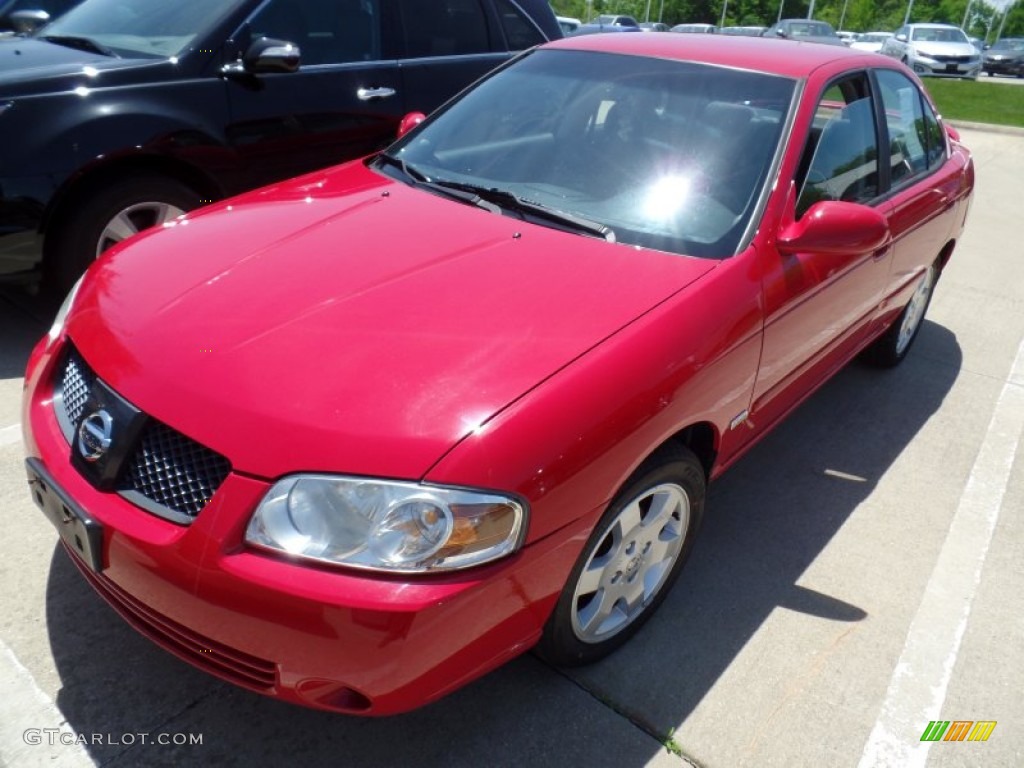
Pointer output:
370, 94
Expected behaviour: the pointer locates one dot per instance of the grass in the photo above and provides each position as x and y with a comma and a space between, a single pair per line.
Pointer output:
978, 102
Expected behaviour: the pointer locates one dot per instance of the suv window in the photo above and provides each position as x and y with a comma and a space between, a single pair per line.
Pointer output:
326, 31
520, 32
443, 27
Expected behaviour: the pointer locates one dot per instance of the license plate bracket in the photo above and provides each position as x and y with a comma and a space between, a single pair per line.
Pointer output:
78, 530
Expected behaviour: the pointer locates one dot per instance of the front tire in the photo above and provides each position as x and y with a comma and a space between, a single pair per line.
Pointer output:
630, 561
889, 349
108, 216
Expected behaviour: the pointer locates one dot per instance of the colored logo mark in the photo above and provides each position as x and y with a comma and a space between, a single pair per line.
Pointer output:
958, 730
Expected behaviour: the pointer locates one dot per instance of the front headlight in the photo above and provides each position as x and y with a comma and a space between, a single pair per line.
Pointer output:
57, 327
384, 525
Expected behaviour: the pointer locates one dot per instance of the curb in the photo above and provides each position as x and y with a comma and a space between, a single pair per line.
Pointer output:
1009, 130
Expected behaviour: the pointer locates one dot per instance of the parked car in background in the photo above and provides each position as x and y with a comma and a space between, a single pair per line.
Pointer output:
611, 20
594, 28
702, 29
568, 24
653, 26
740, 31
870, 41
804, 31
123, 114
1005, 57
28, 15
354, 439
934, 50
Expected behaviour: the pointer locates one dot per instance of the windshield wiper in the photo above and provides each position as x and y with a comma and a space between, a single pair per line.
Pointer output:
420, 179
513, 202
79, 44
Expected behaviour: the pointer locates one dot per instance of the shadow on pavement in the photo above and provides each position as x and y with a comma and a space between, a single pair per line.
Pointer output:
768, 519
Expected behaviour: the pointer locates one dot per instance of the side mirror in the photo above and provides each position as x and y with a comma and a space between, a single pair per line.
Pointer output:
25, 22
901, 38
780, 32
837, 229
270, 55
952, 132
409, 122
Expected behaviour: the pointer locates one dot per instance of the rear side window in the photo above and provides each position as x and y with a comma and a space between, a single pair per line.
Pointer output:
443, 27
520, 32
916, 141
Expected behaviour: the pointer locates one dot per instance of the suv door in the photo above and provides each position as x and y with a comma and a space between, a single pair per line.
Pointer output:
344, 101
447, 44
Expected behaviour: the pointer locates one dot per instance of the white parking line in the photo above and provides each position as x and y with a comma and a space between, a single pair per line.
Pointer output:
917, 689
10, 435
30, 725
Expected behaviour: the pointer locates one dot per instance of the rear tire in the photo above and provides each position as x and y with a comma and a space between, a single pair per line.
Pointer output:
113, 213
630, 561
889, 349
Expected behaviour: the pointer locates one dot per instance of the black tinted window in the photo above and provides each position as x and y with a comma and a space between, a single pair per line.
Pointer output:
443, 27
326, 31
520, 32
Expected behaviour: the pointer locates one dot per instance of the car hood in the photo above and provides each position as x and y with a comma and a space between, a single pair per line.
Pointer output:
346, 322
945, 49
29, 66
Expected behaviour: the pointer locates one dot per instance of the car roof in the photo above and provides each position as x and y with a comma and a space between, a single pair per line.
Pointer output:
931, 25
781, 57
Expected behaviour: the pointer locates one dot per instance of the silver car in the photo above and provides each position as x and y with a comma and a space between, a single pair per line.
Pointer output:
939, 50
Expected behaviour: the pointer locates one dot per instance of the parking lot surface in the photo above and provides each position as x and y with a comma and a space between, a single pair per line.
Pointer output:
857, 577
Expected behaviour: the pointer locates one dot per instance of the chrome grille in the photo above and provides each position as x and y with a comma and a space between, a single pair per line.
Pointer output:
74, 386
167, 473
174, 471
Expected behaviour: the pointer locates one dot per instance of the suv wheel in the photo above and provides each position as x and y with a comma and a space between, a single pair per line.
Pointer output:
112, 214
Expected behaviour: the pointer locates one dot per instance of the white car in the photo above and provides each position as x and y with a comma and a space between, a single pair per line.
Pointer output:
568, 24
939, 50
870, 41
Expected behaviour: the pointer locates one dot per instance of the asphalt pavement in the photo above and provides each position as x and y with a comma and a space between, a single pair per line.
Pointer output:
858, 577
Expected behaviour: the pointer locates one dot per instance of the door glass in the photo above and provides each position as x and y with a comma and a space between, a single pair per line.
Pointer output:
911, 133
520, 32
843, 149
443, 27
326, 31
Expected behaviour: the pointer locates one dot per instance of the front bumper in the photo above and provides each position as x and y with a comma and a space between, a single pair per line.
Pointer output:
928, 67
1004, 67
320, 637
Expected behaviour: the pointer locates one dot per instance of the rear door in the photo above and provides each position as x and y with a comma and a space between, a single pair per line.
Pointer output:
447, 44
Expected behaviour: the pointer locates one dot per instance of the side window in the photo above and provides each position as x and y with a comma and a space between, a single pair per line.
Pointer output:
443, 27
520, 32
841, 158
326, 31
917, 142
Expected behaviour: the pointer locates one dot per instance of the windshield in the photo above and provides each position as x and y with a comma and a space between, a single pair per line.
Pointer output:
1008, 45
666, 154
810, 29
148, 28
939, 35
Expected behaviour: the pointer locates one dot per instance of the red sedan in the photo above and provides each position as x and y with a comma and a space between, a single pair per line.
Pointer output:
358, 438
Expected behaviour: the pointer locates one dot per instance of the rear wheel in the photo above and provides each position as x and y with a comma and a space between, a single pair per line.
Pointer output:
892, 346
630, 562
112, 214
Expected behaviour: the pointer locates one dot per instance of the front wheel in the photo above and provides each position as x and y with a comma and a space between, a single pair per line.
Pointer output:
112, 214
891, 347
629, 562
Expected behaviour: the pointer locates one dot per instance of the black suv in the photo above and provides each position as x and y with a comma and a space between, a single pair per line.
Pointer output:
122, 114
